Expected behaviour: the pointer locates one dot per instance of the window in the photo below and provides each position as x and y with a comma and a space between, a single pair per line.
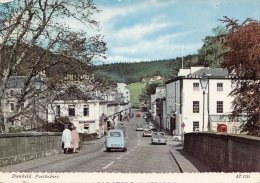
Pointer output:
219, 86
196, 87
86, 110
12, 106
58, 111
196, 126
71, 110
196, 106
219, 106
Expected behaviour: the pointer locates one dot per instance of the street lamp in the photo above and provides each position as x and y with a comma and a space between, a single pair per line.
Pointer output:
203, 82
38, 86
160, 109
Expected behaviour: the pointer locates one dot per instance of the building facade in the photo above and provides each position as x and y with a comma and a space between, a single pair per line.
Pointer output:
189, 110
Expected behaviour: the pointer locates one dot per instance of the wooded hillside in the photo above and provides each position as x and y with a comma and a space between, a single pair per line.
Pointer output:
134, 72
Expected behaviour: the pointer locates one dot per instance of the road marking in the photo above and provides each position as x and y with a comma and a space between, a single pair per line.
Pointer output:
108, 165
120, 157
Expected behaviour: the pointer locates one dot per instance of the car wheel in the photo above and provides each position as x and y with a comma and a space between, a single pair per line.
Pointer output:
108, 149
124, 149
165, 143
176, 139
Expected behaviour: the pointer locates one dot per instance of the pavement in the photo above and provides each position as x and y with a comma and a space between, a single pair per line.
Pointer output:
185, 160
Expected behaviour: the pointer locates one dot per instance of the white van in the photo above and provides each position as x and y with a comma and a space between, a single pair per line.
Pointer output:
116, 139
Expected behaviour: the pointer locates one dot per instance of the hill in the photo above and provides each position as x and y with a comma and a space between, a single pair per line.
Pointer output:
135, 90
134, 72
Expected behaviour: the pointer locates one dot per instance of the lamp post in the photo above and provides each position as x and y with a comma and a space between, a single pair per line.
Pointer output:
160, 109
203, 83
38, 86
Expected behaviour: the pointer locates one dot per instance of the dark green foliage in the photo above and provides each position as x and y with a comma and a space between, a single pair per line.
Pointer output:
135, 72
58, 125
149, 89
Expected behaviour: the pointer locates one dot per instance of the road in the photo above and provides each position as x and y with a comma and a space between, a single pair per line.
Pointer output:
141, 157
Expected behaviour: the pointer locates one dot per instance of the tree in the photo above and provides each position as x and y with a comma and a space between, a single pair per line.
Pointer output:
242, 59
209, 54
34, 38
150, 89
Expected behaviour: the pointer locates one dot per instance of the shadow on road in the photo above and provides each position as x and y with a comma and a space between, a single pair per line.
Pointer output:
201, 166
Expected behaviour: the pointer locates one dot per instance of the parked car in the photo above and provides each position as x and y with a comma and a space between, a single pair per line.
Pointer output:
138, 115
151, 126
159, 138
145, 116
177, 138
116, 139
147, 132
121, 128
139, 128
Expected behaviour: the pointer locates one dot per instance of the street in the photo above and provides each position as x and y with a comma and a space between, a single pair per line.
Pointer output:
141, 156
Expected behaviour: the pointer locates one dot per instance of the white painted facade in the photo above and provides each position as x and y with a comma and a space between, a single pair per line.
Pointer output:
181, 95
85, 124
121, 88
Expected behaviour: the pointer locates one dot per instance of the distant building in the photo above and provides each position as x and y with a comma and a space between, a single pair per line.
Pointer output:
154, 78
146, 79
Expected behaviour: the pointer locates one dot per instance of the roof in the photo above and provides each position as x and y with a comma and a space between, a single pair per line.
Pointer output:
73, 93
213, 73
217, 72
16, 81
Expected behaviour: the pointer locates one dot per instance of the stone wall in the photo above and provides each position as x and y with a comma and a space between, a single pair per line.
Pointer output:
225, 152
24, 146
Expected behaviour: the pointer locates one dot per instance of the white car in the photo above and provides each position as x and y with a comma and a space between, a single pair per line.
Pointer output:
151, 126
177, 137
139, 128
159, 138
147, 133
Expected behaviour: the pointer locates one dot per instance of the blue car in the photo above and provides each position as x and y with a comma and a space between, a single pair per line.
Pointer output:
116, 139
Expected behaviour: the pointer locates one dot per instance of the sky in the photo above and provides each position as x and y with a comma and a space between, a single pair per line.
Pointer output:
147, 30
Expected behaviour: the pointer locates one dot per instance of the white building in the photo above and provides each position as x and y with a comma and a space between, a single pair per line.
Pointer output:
121, 88
90, 114
184, 101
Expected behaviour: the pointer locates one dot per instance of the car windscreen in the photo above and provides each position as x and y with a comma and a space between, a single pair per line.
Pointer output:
115, 134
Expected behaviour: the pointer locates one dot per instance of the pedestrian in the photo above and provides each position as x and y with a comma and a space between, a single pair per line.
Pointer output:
174, 132
66, 138
75, 139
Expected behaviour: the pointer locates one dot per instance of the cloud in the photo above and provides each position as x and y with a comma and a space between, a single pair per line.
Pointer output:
5, 1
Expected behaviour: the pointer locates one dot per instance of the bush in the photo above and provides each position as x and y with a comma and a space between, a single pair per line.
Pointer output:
58, 125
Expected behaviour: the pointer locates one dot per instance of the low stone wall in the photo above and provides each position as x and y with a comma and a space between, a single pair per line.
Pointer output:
89, 137
225, 152
19, 147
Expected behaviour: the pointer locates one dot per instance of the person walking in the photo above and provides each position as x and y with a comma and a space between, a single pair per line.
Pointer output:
75, 139
174, 132
66, 138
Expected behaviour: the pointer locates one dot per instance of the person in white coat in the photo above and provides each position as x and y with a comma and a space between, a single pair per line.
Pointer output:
66, 138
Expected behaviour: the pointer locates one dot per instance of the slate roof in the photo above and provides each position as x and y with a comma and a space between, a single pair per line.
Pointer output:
16, 82
214, 72
73, 93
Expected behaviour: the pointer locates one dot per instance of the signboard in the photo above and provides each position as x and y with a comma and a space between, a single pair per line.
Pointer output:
183, 125
86, 122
